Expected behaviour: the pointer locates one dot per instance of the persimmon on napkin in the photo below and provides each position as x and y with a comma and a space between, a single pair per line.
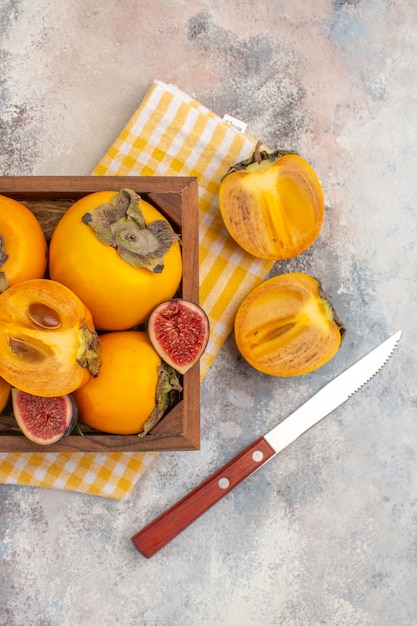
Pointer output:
170, 134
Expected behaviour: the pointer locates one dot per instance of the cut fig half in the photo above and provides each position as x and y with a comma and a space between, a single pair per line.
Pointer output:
42, 420
179, 331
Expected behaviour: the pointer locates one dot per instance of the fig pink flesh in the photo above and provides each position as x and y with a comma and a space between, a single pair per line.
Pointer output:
179, 332
43, 420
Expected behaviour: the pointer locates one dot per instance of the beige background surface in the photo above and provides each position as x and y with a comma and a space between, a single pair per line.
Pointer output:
326, 533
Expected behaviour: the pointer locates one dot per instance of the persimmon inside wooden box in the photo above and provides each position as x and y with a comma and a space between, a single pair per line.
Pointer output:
177, 199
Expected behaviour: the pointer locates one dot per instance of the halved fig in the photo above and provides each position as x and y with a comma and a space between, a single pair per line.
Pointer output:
44, 421
179, 331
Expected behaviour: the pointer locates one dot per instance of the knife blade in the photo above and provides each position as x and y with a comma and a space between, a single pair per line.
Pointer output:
178, 517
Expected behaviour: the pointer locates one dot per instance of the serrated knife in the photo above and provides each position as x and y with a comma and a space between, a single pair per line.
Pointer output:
172, 522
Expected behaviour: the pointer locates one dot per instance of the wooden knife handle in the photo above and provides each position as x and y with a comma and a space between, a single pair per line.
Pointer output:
172, 522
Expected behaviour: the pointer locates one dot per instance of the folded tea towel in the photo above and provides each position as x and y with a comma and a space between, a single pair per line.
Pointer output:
170, 134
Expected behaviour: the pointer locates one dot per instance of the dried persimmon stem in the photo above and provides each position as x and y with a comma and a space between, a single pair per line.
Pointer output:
257, 152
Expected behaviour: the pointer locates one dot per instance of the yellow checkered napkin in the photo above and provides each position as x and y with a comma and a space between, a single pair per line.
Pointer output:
170, 134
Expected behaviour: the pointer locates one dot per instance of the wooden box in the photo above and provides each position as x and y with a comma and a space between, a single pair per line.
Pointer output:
177, 199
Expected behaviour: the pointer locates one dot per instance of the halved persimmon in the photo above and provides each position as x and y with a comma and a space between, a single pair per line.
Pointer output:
287, 327
48, 344
272, 204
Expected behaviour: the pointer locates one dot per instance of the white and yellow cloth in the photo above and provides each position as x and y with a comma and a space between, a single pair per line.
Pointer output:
170, 134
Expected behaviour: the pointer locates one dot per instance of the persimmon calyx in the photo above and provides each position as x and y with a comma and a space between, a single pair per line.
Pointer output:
89, 350
121, 225
168, 388
258, 158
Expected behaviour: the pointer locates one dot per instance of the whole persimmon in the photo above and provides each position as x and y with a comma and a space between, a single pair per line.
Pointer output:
119, 254
23, 247
121, 399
